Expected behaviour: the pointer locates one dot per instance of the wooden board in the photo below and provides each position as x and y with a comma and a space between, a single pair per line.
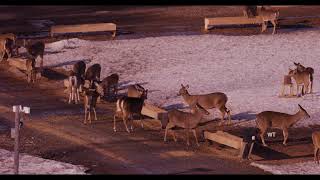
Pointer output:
84, 28
154, 111
231, 21
20, 63
224, 138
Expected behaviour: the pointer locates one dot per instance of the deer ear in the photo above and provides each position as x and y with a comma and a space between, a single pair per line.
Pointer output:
295, 63
187, 86
300, 106
182, 85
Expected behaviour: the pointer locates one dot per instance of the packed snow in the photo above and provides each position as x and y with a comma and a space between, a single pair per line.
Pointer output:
249, 69
308, 167
36, 165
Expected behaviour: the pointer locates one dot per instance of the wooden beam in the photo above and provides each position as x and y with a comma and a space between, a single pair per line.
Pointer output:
84, 28
154, 111
223, 139
231, 21
20, 63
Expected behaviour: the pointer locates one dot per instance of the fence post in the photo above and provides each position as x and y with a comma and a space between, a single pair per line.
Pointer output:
16, 109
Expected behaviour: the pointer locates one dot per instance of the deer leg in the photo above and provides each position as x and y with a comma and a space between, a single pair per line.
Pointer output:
291, 90
114, 122
125, 118
78, 95
262, 137
70, 94
285, 135
274, 26
282, 90
141, 122
95, 113
89, 116
187, 134
85, 115
316, 155
195, 136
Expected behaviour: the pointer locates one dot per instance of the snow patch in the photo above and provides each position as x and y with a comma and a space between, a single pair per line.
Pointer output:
308, 167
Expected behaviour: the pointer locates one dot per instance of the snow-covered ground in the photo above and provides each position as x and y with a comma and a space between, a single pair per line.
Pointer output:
249, 69
308, 167
35, 165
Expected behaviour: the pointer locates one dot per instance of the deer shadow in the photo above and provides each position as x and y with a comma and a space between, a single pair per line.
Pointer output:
68, 63
53, 52
52, 74
175, 106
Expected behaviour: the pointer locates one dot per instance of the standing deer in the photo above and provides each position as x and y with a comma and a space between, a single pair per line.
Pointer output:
7, 48
31, 70
316, 144
135, 90
185, 120
93, 72
74, 88
250, 11
271, 119
268, 15
79, 70
127, 107
110, 82
310, 70
286, 82
301, 79
35, 49
207, 101
90, 100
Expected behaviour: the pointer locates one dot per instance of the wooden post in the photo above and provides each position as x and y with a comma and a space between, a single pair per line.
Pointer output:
17, 138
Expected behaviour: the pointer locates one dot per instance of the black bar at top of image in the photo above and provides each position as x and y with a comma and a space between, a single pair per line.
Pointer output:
159, 2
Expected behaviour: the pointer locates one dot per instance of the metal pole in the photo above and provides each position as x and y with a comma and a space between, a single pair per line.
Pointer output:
16, 144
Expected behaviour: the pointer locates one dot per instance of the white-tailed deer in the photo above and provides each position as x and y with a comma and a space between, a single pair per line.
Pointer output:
90, 100
185, 120
79, 70
268, 15
208, 101
310, 70
93, 72
271, 119
135, 90
35, 49
31, 70
286, 83
126, 107
301, 79
250, 11
7, 48
316, 144
110, 83
74, 89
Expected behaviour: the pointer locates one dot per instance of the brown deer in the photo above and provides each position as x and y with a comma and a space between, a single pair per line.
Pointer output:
271, 119
185, 120
250, 11
35, 49
73, 88
31, 70
310, 70
126, 107
316, 144
110, 83
135, 90
268, 15
207, 101
301, 79
79, 70
7, 48
91, 95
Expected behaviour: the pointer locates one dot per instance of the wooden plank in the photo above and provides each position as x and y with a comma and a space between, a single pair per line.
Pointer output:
222, 139
20, 63
153, 111
233, 137
83, 28
231, 21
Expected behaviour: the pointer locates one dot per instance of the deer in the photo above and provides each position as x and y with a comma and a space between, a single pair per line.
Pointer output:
79, 70
74, 88
301, 79
7, 48
310, 70
283, 121
93, 72
250, 11
31, 70
91, 95
267, 15
35, 49
207, 101
126, 107
186, 120
135, 90
286, 82
110, 82
316, 144
11, 42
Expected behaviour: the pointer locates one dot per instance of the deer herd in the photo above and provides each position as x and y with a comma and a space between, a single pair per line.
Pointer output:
86, 81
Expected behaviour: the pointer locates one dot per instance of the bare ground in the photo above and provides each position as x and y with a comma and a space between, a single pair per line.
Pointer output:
55, 130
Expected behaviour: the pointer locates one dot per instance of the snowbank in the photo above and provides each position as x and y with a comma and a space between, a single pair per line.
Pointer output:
297, 168
249, 69
35, 165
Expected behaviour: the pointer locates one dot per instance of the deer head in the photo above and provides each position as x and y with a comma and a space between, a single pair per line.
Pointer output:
183, 90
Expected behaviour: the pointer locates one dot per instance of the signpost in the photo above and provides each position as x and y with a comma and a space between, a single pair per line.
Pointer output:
16, 134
